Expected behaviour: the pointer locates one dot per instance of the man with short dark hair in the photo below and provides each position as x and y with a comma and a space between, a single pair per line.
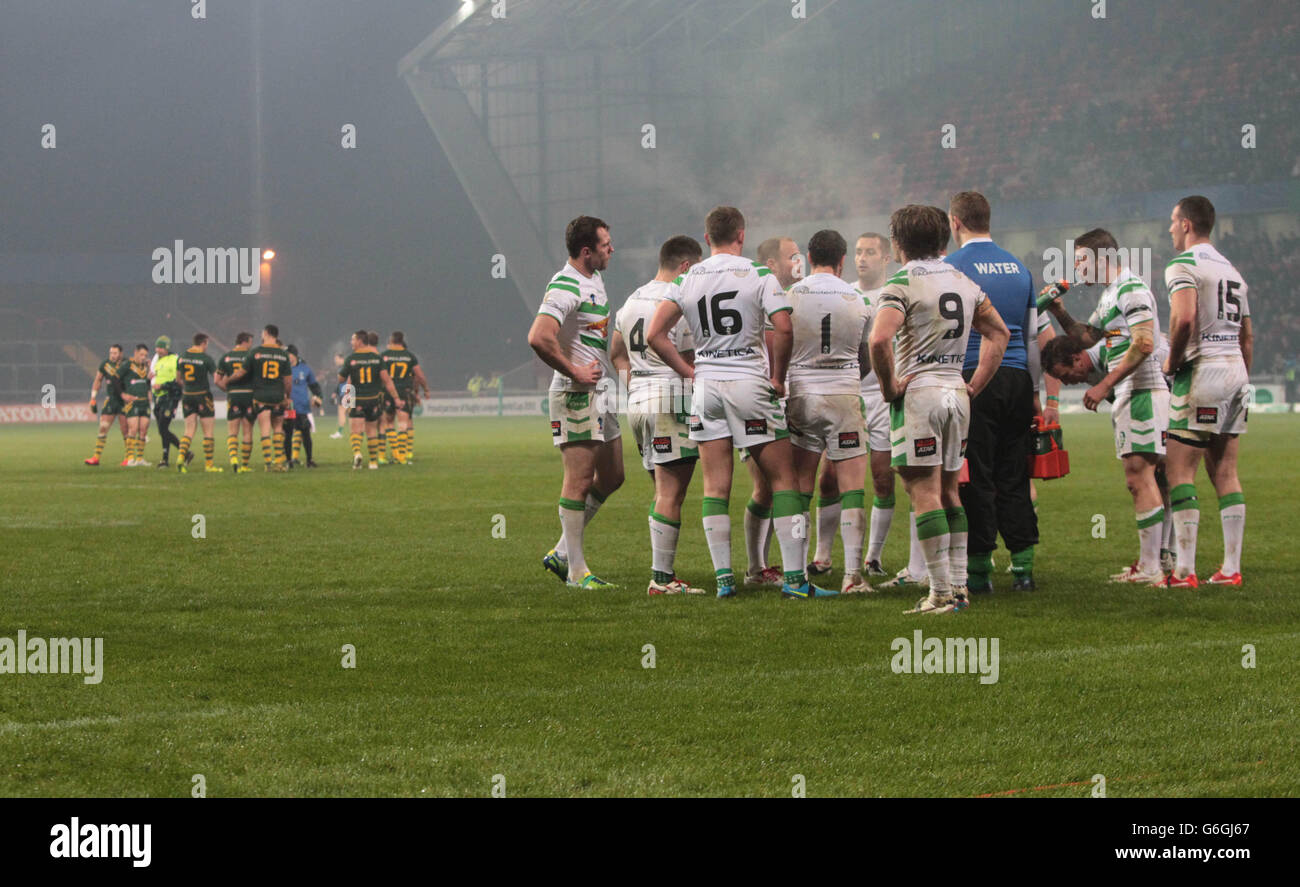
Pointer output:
239, 403
305, 394
135, 395
195, 370
571, 335
267, 366
1126, 321
107, 376
932, 307
408, 378
997, 498
658, 404
166, 395
364, 371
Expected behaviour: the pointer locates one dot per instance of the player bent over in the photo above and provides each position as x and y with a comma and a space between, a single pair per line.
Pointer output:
932, 307
1211, 345
825, 409
571, 335
1126, 320
734, 403
658, 407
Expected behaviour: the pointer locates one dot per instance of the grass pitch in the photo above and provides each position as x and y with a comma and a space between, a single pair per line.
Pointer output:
223, 655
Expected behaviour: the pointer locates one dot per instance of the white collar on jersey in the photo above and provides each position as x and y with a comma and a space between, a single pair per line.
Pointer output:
983, 238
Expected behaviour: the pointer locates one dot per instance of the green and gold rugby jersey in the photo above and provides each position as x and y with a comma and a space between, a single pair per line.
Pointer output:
232, 362
195, 369
268, 365
401, 364
135, 380
361, 370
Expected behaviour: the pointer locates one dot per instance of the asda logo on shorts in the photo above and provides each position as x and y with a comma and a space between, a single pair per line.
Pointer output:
181, 264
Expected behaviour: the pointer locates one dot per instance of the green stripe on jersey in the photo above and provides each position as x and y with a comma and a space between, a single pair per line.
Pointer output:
1130, 287
899, 277
592, 342
565, 287
565, 279
592, 308
1183, 262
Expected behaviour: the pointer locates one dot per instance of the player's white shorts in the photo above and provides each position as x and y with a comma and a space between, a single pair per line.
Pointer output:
928, 426
1140, 419
575, 417
833, 423
1209, 397
746, 410
661, 438
877, 422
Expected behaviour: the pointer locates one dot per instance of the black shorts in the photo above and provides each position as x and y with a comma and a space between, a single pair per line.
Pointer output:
390, 405
112, 407
275, 409
137, 409
198, 405
369, 410
240, 406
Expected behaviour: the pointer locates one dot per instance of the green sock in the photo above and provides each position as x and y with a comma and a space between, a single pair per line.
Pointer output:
1022, 562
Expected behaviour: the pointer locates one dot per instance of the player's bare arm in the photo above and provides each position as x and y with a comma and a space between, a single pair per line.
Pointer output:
665, 318
421, 381
1086, 333
1182, 321
988, 323
880, 344
1051, 385
544, 339
1247, 342
782, 345
618, 354
1143, 345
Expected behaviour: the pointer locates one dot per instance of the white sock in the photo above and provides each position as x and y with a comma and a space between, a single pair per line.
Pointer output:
793, 548
1149, 539
766, 543
915, 555
957, 557
1186, 524
663, 545
571, 520
588, 512
1167, 531
717, 532
936, 562
807, 536
755, 530
881, 520
828, 521
1233, 519
851, 531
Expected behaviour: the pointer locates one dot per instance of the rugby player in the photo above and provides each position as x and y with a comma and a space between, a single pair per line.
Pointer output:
239, 403
571, 335
658, 406
194, 368
364, 370
1211, 345
1126, 320
932, 307
135, 394
825, 407
736, 399
107, 375
404, 369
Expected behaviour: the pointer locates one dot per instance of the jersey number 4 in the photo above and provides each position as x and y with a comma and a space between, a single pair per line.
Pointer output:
636, 337
727, 321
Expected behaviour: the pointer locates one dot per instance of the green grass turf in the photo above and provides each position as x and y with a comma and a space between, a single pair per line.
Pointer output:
223, 655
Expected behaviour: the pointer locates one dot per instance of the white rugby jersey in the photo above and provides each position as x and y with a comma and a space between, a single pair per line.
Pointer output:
1127, 301
725, 299
830, 323
579, 304
937, 302
633, 322
1220, 301
870, 385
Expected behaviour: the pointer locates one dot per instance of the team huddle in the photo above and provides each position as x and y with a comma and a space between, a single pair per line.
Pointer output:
268, 387
811, 374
